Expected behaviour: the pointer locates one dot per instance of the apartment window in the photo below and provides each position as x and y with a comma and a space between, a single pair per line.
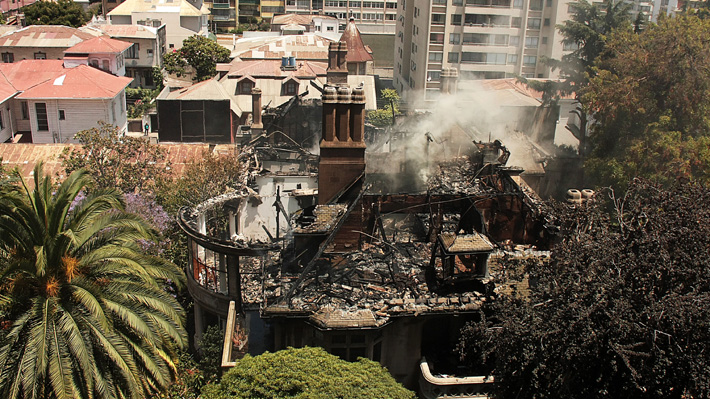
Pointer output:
544, 40
529, 60
133, 51
453, 57
25, 110
516, 22
457, 2
547, 22
436, 57
416, 12
517, 3
534, 23
41, 114
514, 40
512, 59
454, 38
414, 48
8, 58
413, 66
40, 55
549, 3
62, 115
536, 5
392, 5
390, 17
531, 42
570, 46
571, 9
433, 76
404, 4
456, 19
439, 2
436, 38
484, 58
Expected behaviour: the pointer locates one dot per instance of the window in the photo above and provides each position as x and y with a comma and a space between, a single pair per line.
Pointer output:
536, 5
454, 38
484, 58
40, 55
25, 110
433, 76
547, 22
133, 51
8, 58
416, 12
171, 45
413, 66
414, 48
571, 9
439, 2
515, 40
516, 22
2, 122
517, 3
457, 2
392, 5
105, 65
570, 46
453, 57
436, 38
436, 57
41, 114
529, 60
534, 23
62, 115
549, 3
512, 59
290, 88
531, 42
544, 40
245, 86
456, 19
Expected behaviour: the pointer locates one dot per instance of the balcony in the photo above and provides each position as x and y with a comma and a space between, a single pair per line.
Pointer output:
436, 387
221, 6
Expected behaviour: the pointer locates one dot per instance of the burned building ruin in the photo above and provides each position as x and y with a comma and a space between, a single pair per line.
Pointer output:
366, 252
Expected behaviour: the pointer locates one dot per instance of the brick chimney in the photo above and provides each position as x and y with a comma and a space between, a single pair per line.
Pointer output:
337, 73
256, 109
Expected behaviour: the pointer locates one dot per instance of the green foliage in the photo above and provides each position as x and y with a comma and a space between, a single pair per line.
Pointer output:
651, 101
192, 188
620, 310
305, 373
383, 117
188, 380
252, 25
142, 103
115, 160
61, 12
211, 346
199, 52
158, 78
82, 308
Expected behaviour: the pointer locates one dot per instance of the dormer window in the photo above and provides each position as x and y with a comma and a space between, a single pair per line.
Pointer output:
245, 85
290, 87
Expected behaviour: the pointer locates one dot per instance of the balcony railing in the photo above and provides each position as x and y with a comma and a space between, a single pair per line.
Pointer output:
433, 387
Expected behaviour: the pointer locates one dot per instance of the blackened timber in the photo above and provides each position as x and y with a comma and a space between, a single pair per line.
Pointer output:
324, 245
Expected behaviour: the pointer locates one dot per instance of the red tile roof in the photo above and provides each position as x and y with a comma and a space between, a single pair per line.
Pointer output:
272, 68
27, 73
79, 82
356, 48
45, 36
297, 19
101, 44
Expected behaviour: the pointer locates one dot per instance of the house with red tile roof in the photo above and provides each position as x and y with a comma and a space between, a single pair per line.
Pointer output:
100, 52
39, 42
51, 102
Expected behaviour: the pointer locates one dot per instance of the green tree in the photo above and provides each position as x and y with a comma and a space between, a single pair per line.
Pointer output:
651, 94
82, 308
587, 31
384, 116
305, 373
619, 311
199, 52
60, 12
211, 346
115, 160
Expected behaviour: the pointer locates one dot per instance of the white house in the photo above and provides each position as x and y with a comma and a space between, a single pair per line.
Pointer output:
52, 103
100, 52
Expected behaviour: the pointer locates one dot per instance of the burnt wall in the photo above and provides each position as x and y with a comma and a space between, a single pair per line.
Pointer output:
202, 121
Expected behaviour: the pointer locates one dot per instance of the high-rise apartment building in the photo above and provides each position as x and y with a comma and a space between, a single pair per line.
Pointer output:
482, 39
371, 16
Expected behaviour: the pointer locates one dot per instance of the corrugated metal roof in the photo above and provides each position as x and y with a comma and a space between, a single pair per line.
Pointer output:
44, 36
80, 82
182, 6
303, 47
124, 31
27, 73
296, 19
272, 68
101, 44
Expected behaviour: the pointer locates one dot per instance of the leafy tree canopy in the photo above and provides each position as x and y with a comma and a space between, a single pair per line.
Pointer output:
651, 100
60, 12
116, 160
619, 311
383, 117
305, 373
83, 312
199, 52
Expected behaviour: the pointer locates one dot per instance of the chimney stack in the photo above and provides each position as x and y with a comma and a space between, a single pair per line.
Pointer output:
256, 109
337, 73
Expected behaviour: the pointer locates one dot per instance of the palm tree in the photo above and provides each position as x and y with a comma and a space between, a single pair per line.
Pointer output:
83, 313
